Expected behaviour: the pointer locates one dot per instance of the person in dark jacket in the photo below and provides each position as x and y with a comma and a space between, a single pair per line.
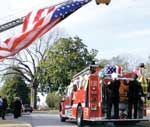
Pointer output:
134, 95
4, 107
17, 106
113, 97
1, 105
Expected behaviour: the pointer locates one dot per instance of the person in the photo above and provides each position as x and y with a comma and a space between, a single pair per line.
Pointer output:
17, 106
4, 107
1, 104
123, 90
134, 95
113, 96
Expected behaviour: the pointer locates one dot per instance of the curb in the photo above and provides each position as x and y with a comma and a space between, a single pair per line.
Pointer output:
47, 112
10, 123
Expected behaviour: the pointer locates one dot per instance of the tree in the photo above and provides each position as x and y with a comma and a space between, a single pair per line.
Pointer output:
103, 62
66, 57
28, 61
15, 86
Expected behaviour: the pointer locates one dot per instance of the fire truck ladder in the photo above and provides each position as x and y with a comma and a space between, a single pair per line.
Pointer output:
19, 21
11, 24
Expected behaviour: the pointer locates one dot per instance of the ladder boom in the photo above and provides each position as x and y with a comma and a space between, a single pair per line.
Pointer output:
11, 24
19, 21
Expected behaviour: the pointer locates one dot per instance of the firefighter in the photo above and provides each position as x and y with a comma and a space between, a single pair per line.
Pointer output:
144, 86
134, 95
113, 96
104, 90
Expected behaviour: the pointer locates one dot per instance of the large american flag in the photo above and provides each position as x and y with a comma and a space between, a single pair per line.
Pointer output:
37, 23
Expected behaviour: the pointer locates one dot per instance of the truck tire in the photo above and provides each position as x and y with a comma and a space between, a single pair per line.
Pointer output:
79, 118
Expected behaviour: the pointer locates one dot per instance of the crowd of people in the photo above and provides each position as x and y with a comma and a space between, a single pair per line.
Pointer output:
135, 97
16, 106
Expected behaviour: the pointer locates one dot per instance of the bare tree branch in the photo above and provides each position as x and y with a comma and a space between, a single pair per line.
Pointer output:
22, 63
33, 61
17, 71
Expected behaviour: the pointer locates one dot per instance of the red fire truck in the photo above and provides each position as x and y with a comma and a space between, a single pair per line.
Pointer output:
87, 102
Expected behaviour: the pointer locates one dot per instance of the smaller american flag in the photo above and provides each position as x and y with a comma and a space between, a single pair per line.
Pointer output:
119, 70
109, 69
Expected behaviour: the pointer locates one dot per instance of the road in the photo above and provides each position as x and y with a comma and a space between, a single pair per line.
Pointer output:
42, 119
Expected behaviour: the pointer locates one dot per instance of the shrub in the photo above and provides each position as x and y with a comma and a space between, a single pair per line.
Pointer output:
53, 100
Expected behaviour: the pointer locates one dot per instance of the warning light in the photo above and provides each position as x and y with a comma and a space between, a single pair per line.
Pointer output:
103, 2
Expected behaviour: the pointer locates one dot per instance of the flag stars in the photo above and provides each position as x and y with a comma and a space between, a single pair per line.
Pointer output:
86, 1
60, 14
64, 10
77, 3
68, 6
58, 9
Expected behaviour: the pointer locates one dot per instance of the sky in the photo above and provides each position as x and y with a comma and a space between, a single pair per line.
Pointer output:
123, 27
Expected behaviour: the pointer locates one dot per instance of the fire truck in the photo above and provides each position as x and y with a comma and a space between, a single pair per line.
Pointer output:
88, 101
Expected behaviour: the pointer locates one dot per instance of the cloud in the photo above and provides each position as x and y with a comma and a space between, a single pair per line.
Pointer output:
138, 52
136, 33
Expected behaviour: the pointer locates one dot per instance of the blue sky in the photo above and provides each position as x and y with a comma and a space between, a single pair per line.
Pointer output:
120, 28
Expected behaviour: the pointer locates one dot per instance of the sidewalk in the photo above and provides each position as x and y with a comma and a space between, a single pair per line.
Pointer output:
12, 123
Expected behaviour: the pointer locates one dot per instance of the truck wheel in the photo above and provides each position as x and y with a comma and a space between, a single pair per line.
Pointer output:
79, 116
